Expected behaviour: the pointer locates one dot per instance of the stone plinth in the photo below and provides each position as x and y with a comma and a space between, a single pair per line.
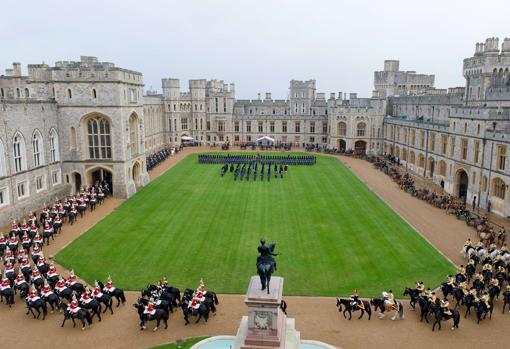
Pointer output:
265, 327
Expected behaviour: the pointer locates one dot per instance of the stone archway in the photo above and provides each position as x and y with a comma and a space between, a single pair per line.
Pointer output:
100, 175
361, 147
77, 181
461, 184
341, 144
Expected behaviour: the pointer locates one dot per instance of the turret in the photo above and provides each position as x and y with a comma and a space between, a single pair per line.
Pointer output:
171, 88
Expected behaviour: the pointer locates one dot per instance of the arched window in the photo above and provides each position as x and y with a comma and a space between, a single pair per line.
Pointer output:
3, 165
421, 161
19, 153
484, 183
69, 93
361, 128
342, 128
498, 188
73, 138
94, 93
133, 134
37, 148
442, 168
412, 157
404, 154
27, 93
99, 138
2, 93
18, 93
54, 150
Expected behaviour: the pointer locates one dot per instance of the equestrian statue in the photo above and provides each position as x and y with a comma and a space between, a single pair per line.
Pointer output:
266, 263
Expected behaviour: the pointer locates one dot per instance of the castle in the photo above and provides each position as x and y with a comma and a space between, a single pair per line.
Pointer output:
69, 125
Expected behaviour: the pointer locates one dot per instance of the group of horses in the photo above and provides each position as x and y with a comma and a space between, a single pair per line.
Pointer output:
154, 159
347, 306
166, 299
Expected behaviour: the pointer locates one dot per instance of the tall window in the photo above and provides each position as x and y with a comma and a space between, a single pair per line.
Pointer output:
37, 149
133, 134
3, 165
284, 126
325, 126
501, 157
361, 128
405, 135
236, 126
54, 152
271, 127
413, 137
261, 127
498, 188
444, 142
221, 126
422, 139
464, 148
69, 93
184, 123
475, 152
452, 147
297, 127
342, 128
312, 127
442, 168
18, 152
73, 138
94, 93
248, 126
432, 142
99, 138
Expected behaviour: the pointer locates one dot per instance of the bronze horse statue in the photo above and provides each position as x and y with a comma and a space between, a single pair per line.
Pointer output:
266, 264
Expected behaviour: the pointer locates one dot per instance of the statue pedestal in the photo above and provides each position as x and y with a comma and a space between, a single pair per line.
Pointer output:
265, 326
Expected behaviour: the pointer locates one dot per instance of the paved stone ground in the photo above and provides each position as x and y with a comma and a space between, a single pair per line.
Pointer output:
316, 317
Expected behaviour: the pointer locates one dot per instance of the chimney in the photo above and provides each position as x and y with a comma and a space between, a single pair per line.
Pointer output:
268, 95
332, 95
340, 95
258, 96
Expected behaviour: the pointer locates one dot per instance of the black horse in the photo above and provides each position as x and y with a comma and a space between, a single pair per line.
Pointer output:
23, 289
506, 300
8, 294
441, 316
201, 312
425, 308
446, 289
482, 311
39, 305
414, 294
66, 294
78, 288
117, 293
468, 301
82, 315
349, 308
160, 314
211, 299
52, 300
107, 301
94, 306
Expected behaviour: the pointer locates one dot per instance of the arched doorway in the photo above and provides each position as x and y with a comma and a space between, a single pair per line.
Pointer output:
361, 147
136, 174
77, 182
462, 184
101, 175
341, 145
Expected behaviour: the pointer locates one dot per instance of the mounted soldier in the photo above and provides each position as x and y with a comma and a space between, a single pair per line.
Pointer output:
266, 264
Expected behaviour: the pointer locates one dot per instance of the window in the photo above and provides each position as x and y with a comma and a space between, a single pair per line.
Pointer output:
432, 142
184, 123
236, 138
22, 189
19, 157
498, 188
208, 125
478, 129
452, 147
3, 197
404, 154
360, 129
73, 138
475, 152
284, 126
133, 134
39, 183
54, 152
413, 137
260, 127
271, 127
99, 138
342, 128
404, 131
3, 164
484, 183
297, 127
412, 157
2, 93
465, 127
221, 126
442, 168
69, 93
55, 177
312, 139
236, 126
37, 149
444, 142
248, 126
312, 127
324, 127
27, 93
94, 93
421, 161
464, 148
501, 157
422, 139
248, 138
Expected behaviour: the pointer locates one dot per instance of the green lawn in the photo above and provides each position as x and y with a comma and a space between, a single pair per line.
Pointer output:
334, 234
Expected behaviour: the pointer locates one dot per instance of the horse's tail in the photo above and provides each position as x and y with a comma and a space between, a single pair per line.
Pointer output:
400, 310
456, 318
110, 302
44, 309
122, 297
88, 317
216, 299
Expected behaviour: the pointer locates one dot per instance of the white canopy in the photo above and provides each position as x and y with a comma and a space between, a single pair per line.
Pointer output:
186, 138
265, 138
